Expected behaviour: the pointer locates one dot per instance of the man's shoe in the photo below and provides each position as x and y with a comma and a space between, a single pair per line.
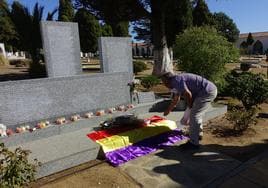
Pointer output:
185, 132
189, 146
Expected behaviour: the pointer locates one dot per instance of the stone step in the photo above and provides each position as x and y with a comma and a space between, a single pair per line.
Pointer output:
57, 153
54, 130
63, 147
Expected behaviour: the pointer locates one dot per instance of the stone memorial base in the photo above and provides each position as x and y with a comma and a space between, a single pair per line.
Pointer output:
64, 146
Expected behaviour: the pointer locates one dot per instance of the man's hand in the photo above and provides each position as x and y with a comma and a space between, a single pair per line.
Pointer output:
166, 112
172, 105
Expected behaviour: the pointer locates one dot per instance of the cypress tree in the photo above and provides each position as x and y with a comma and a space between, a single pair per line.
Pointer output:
250, 39
89, 30
8, 34
201, 14
66, 11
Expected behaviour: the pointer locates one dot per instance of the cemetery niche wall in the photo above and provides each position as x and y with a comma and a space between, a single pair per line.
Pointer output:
67, 90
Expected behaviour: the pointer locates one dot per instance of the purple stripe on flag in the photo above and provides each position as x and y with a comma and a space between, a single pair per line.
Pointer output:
144, 147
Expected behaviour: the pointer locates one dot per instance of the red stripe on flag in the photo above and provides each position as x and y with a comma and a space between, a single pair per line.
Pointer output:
96, 135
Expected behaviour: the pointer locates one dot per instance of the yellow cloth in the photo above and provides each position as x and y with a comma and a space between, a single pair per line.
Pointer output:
135, 135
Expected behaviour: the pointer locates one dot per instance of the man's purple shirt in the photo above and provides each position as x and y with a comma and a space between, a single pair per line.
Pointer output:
196, 84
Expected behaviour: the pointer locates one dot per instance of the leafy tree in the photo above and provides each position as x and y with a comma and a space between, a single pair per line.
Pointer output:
178, 18
115, 11
201, 50
50, 15
244, 44
243, 47
201, 14
121, 29
66, 11
89, 30
106, 30
142, 28
28, 29
250, 41
8, 33
225, 26
258, 47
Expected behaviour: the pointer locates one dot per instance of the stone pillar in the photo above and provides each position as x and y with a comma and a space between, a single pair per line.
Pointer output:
116, 55
61, 48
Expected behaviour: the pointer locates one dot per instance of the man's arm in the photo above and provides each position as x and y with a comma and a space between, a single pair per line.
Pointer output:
172, 105
188, 97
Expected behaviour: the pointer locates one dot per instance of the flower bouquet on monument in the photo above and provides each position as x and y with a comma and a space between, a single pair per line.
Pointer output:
127, 120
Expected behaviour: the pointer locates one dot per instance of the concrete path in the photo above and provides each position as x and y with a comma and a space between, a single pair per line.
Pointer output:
253, 173
174, 167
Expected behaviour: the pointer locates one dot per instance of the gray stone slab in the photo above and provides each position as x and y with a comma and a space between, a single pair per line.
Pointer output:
238, 181
181, 168
31, 100
30, 136
257, 173
63, 151
67, 162
116, 55
62, 48
145, 97
254, 170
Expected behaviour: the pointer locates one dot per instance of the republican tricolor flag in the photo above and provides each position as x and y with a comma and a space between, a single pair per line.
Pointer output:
122, 144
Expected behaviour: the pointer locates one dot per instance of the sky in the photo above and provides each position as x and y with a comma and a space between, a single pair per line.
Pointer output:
249, 15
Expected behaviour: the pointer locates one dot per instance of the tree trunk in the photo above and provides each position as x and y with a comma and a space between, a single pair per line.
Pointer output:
162, 58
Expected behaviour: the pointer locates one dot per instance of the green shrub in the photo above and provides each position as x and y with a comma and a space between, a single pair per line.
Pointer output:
204, 52
149, 81
251, 89
242, 118
15, 169
139, 66
3, 60
37, 70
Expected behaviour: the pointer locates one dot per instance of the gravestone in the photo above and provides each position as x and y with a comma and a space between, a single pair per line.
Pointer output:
61, 48
2, 49
116, 55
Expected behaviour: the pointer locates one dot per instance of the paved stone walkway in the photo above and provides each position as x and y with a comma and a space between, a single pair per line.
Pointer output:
174, 167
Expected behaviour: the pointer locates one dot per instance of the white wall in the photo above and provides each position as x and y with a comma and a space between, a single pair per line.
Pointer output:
263, 39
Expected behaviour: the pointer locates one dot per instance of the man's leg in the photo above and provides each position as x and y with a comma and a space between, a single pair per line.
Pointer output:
200, 106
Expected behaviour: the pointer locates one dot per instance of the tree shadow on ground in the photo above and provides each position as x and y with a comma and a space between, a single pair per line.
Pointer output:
163, 105
195, 168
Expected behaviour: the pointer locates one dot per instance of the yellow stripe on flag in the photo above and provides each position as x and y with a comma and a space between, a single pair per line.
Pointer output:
135, 135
